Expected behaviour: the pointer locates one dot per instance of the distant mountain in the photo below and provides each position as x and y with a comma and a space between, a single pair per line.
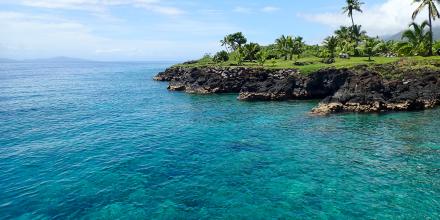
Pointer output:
398, 36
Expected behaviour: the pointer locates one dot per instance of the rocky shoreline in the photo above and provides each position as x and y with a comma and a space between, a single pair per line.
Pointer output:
341, 90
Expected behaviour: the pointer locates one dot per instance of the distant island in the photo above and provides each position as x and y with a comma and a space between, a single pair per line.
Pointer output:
350, 71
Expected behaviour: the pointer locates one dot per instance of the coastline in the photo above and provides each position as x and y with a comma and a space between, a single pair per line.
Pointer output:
364, 88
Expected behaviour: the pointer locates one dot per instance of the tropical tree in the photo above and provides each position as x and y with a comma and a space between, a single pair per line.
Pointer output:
343, 33
417, 40
331, 43
233, 41
239, 55
289, 50
352, 6
371, 47
298, 46
345, 39
433, 13
357, 34
272, 51
221, 56
322, 52
282, 44
262, 57
311, 50
436, 47
226, 43
387, 48
250, 51
289, 46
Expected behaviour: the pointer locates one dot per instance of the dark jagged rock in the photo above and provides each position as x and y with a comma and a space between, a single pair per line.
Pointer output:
342, 90
369, 92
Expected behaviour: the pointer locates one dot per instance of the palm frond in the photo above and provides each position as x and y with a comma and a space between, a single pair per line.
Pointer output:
434, 11
418, 10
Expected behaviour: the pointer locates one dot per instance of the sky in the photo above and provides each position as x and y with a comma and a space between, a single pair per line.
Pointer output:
175, 30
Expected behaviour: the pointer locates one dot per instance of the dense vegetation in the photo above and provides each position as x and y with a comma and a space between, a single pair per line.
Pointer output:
348, 46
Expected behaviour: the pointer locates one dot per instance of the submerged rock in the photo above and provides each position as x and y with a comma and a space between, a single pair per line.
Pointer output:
341, 90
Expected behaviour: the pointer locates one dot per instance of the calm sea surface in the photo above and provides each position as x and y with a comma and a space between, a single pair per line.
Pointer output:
105, 141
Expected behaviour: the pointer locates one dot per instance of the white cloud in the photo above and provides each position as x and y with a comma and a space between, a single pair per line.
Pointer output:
270, 9
35, 35
29, 35
195, 27
102, 5
242, 10
252, 10
388, 18
156, 6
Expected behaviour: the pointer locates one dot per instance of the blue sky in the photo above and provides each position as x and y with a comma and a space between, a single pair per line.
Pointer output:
174, 29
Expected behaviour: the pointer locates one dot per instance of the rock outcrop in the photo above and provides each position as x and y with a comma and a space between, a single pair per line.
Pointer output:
341, 90
369, 92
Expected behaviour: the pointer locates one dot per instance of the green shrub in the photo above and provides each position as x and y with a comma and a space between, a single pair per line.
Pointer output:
206, 59
250, 51
221, 56
328, 60
262, 57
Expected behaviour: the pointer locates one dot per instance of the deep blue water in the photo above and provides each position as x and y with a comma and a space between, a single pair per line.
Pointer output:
105, 141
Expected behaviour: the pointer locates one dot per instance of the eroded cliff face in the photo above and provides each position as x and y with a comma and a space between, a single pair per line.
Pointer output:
341, 90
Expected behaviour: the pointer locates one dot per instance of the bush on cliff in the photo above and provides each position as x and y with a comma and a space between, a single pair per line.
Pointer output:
416, 40
237, 56
262, 57
250, 51
328, 60
288, 46
330, 45
221, 56
370, 47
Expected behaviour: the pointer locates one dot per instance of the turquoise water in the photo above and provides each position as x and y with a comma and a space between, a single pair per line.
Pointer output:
104, 141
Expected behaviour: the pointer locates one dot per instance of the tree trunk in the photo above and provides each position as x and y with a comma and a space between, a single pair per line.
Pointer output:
352, 21
430, 31
356, 41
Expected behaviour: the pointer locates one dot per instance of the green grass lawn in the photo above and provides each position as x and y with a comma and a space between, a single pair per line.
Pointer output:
314, 63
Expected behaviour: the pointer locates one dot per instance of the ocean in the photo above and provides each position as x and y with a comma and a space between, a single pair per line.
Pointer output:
95, 140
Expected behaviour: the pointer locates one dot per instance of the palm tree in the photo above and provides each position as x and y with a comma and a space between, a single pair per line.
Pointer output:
433, 13
352, 5
282, 45
416, 40
298, 46
262, 57
345, 39
250, 51
371, 47
239, 55
221, 56
233, 41
357, 35
225, 42
289, 47
343, 33
387, 48
330, 43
